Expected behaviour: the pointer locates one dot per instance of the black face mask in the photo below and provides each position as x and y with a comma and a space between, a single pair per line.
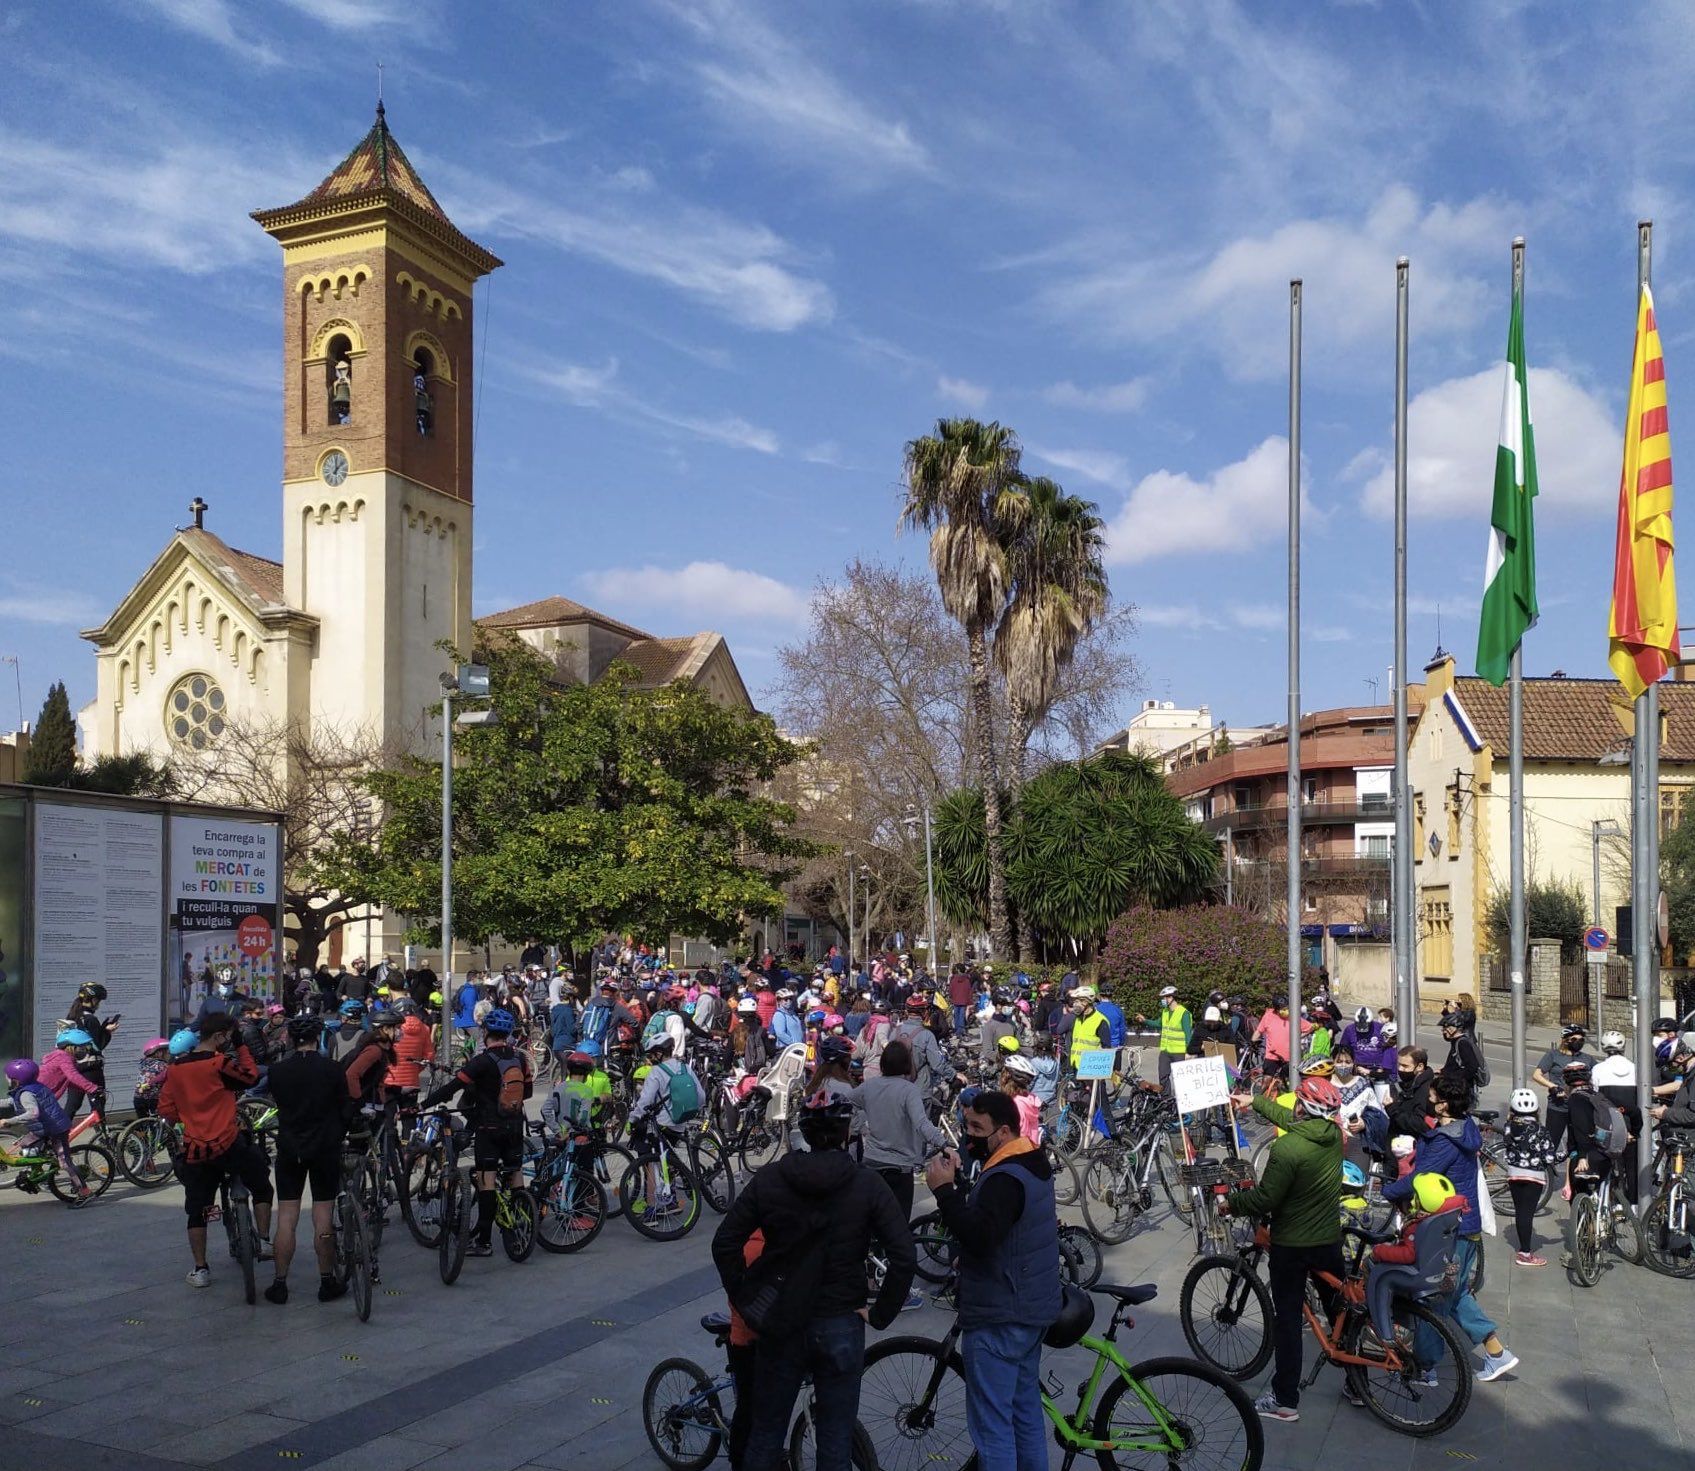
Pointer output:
1574, 1044
977, 1148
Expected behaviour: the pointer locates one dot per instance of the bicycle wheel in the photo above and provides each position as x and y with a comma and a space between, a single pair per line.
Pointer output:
519, 1238
94, 1163
1583, 1261
683, 1415
354, 1252
938, 1252
1226, 1314
1067, 1187
571, 1211
610, 1163
803, 1449
144, 1152
1173, 1412
1431, 1386
421, 1200
455, 1225
1165, 1166
912, 1405
673, 1211
1112, 1200
1088, 1249
711, 1165
1667, 1246
1066, 1136
238, 1222
1626, 1233
761, 1143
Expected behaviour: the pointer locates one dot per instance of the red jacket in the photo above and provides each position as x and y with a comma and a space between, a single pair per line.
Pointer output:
412, 1046
1404, 1253
960, 990
200, 1092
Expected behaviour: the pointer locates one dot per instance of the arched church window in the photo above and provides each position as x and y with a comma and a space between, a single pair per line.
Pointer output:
423, 368
195, 713
338, 368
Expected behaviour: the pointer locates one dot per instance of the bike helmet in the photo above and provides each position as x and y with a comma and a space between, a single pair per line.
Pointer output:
825, 1121
1577, 1070
1362, 1016
500, 1020
274, 1009
747, 1006
579, 1062
588, 1047
1612, 1042
1574, 1029
1076, 1317
1317, 1067
1432, 1191
184, 1042
73, 1037
1020, 1067
1389, 1031
305, 1029
93, 990
816, 1017
21, 1070
352, 1009
660, 1043
387, 1016
1353, 1177
1318, 1096
1684, 1046
1523, 1101
833, 1021
154, 1042
1008, 1043
404, 1006
916, 1002
1402, 1146
835, 1049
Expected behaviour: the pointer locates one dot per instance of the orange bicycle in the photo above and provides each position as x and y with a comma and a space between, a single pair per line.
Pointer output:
1417, 1381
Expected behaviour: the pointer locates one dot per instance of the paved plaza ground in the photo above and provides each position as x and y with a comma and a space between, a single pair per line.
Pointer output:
108, 1359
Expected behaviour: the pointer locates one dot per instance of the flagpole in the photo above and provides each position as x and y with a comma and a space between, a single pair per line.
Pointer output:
1645, 840
1403, 929
1293, 897
1516, 923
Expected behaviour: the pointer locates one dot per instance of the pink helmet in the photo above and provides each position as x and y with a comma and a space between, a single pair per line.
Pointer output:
274, 1009
154, 1042
1024, 1006
832, 1020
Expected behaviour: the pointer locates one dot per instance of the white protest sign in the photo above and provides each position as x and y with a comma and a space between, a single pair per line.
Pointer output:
1200, 1082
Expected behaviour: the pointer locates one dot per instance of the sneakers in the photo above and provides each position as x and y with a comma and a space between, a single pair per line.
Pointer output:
913, 1300
200, 1277
262, 1252
1352, 1398
1528, 1259
1268, 1408
1428, 1379
1495, 1365
480, 1248
329, 1289
82, 1200
277, 1292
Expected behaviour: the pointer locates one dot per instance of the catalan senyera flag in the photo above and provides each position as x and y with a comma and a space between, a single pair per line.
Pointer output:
1509, 575
1642, 626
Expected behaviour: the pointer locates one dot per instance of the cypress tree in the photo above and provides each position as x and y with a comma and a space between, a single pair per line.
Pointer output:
52, 759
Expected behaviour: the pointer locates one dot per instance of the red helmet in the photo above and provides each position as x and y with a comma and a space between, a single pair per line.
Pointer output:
1318, 1096
917, 1002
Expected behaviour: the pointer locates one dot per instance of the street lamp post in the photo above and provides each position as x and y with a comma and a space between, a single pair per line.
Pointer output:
468, 679
853, 923
1598, 829
865, 876
910, 822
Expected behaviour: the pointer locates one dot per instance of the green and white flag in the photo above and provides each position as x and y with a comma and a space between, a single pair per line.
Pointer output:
1509, 580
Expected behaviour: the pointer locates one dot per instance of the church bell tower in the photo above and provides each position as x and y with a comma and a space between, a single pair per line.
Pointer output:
377, 435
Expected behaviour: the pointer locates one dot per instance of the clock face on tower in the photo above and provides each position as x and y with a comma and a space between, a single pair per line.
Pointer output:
334, 468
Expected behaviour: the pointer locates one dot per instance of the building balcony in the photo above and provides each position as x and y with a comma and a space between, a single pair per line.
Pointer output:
1363, 867
1313, 814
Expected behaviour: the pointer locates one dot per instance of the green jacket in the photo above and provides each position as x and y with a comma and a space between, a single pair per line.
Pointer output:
1303, 1180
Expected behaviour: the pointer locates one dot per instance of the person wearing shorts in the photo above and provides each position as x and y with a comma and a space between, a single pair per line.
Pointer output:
310, 1094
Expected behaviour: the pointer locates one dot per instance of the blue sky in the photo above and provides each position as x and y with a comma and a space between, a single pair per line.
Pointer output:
753, 246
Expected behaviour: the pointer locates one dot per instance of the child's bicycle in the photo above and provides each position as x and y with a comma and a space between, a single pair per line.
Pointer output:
687, 1413
1418, 1382
1170, 1410
28, 1169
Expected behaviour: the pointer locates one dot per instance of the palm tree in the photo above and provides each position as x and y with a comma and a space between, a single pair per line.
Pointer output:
1054, 543
957, 480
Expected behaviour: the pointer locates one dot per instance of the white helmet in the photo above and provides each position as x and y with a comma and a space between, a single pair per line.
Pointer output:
1389, 1032
747, 1006
1084, 993
1612, 1041
1019, 1067
1522, 1101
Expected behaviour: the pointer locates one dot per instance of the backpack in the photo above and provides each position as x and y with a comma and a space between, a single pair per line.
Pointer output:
685, 1095
1611, 1131
514, 1075
653, 1029
1482, 1076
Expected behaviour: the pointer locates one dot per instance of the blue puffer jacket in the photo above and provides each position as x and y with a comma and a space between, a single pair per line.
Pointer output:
1449, 1149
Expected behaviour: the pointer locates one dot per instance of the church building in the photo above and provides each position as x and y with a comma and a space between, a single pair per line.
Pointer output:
343, 632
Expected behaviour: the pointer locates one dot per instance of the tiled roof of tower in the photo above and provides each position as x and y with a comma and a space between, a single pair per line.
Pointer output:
1572, 719
375, 164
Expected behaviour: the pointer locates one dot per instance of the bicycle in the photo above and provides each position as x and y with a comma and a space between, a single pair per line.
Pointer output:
1669, 1222
570, 1201
660, 1190
28, 1170
1597, 1222
235, 1206
686, 1413
912, 1404
354, 1264
145, 1150
428, 1159
1226, 1314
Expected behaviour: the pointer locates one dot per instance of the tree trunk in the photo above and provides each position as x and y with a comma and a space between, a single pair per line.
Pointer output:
1018, 760
1000, 931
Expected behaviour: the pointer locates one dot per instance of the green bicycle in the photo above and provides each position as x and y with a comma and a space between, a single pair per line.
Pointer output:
1165, 1413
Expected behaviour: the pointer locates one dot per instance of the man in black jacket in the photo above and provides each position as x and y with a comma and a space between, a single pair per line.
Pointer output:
820, 1212
1465, 1060
1411, 1107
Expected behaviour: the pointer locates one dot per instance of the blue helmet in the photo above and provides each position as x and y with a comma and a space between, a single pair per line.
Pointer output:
589, 1047
73, 1037
351, 1008
182, 1043
500, 1020
1352, 1175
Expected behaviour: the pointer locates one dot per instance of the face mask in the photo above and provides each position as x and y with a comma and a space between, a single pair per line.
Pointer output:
1574, 1044
977, 1148
1344, 1070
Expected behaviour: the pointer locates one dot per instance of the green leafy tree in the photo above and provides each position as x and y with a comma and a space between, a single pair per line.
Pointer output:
1555, 910
1196, 948
586, 809
52, 758
956, 480
134, 774
1677, 878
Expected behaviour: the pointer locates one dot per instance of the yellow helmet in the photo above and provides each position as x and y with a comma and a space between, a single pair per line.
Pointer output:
1433, 1191
1008, 1043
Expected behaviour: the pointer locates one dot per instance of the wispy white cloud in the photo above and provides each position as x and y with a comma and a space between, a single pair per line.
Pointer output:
962, 393
1105, 398
592, 387
1102, 466
360, 15
705, 590
1234, 508
1453, 429
215, 21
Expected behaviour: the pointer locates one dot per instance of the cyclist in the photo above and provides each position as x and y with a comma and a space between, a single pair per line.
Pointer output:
820, 1213
199, 1092
580, 1100
1090, 1031
46, 1123
1614, 1076
493, 1086
786, 1025
929, 1063
1302, 1182
747, 1037
374, 1058
1176, 1032
348, 1035
997, 1025
602, 1016
670, 1097
310, 1095
1528, 1154
1680, 1112
1547, 1075
1420, 1258
155, 1055
1046, 1082
70, 1070
1017, 1077
1591, 1158
413, 1045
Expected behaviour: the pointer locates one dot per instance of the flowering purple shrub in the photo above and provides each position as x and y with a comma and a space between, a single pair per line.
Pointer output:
1197, 949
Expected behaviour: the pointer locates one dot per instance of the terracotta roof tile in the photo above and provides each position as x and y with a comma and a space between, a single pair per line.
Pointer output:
547, 612
1572, 719
261, 577
375, 164
660, 660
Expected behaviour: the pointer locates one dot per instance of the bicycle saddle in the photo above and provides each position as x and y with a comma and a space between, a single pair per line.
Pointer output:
1486, 1115
716, 1323
1129, 1296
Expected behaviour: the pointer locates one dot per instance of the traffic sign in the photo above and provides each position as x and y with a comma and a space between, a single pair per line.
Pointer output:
1596, 938
253, 936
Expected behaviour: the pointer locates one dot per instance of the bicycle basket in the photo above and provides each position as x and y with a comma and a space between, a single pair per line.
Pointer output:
1205, 1173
